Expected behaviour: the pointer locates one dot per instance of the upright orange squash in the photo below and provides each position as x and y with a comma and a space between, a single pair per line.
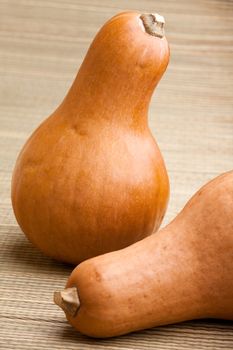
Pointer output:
91, 178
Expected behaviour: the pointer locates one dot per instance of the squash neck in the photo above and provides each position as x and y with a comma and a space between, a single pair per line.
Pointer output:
120, 71
109, 100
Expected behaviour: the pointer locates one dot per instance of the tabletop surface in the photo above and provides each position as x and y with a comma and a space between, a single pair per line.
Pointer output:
42, 44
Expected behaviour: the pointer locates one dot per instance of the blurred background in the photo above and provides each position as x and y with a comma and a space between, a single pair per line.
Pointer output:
42, 44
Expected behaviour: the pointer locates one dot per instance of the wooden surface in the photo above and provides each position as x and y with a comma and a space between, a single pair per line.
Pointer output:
42, 44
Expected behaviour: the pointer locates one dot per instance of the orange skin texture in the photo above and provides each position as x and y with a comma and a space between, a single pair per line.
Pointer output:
91, 178
183, 272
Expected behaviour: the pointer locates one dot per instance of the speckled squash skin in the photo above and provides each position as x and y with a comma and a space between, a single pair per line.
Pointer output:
183, 272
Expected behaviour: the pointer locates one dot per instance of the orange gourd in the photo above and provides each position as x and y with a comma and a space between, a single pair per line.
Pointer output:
183, 272
91, 178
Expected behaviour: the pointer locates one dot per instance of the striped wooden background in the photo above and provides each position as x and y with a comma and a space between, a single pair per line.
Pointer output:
42, 44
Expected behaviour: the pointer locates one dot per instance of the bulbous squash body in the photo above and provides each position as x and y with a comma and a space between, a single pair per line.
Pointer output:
182, 272
91, 178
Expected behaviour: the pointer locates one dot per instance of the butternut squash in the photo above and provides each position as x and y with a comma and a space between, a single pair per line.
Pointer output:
183, 272
91, 178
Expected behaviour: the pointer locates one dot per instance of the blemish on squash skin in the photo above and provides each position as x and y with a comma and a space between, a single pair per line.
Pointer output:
79, 132
98, 276
83, 133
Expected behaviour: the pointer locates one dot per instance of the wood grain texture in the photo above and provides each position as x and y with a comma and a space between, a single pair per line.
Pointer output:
42, 44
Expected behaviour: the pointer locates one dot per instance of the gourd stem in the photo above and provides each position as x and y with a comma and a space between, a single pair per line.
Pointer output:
68, 300
153, 24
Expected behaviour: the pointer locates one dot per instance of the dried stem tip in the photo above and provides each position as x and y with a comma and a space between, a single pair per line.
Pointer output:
153, 24
68, 300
